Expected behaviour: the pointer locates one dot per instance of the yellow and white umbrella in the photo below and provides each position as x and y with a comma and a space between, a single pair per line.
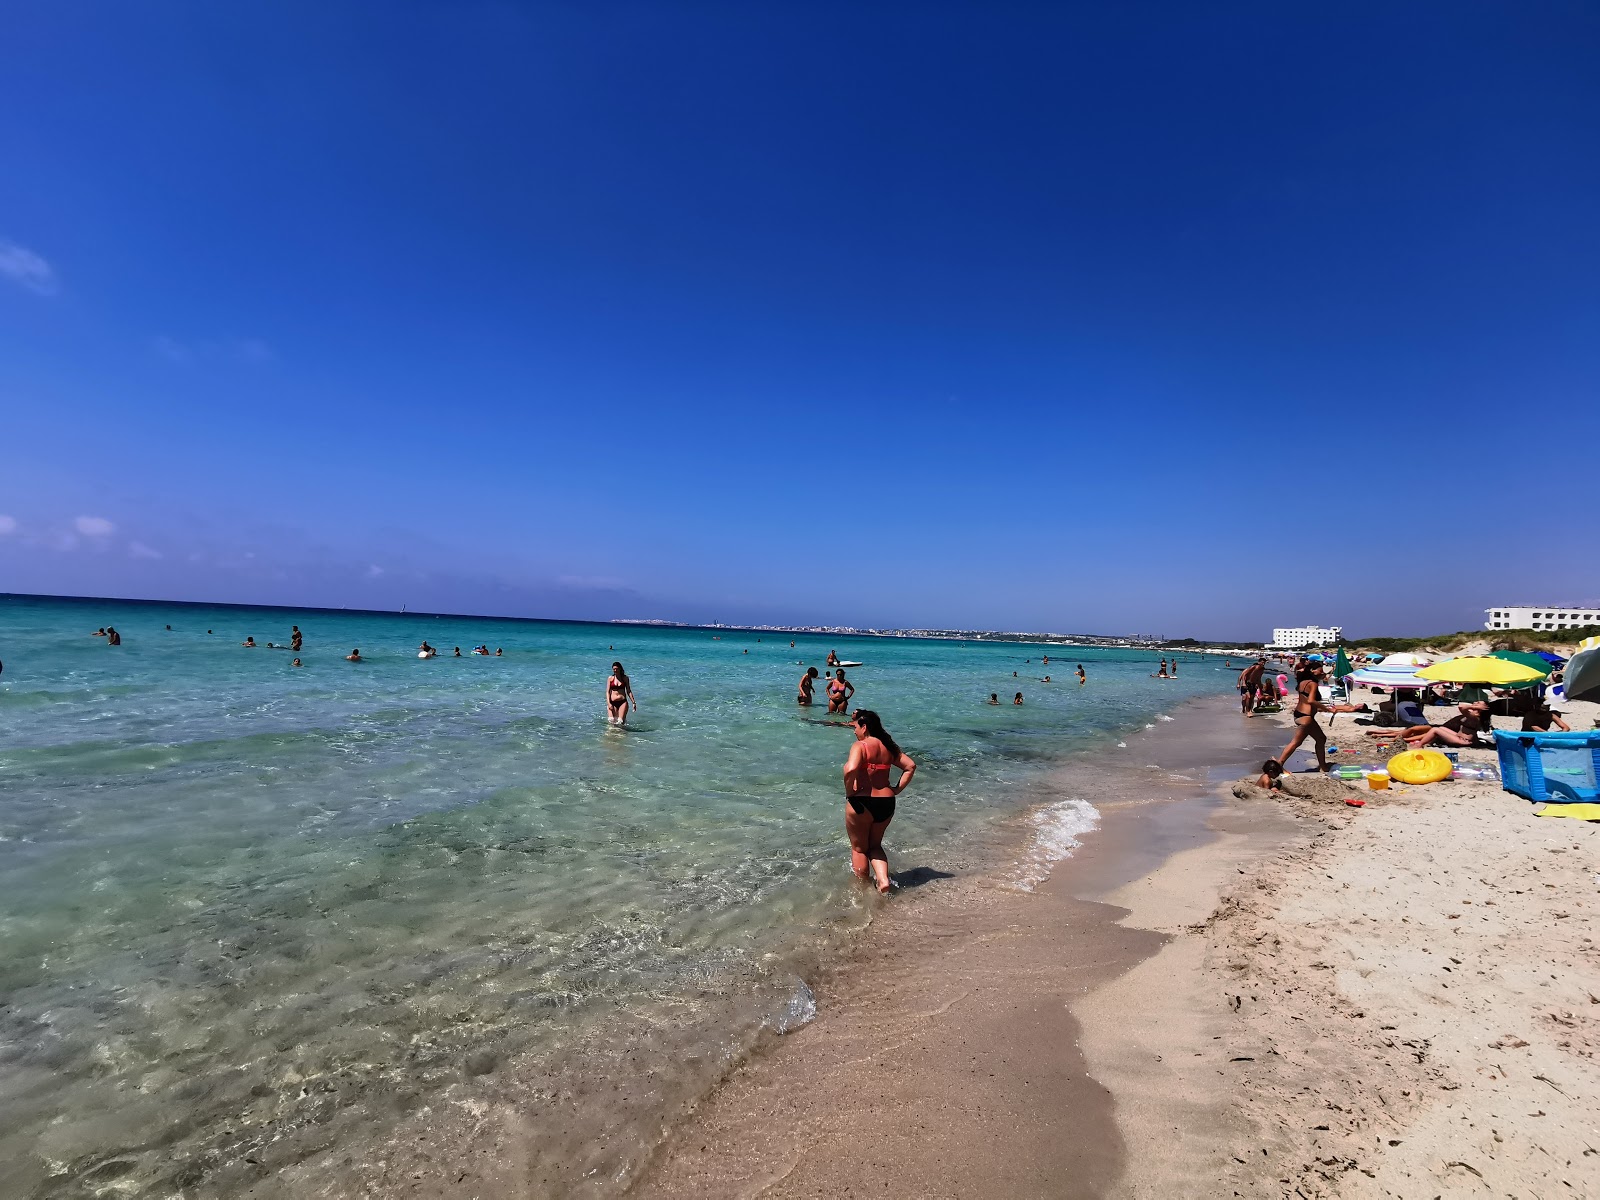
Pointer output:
1492, 671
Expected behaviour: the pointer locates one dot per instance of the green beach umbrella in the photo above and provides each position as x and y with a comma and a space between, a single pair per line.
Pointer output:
1524, 659
1341, 665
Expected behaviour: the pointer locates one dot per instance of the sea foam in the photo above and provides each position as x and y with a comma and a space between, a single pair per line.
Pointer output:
1057, 830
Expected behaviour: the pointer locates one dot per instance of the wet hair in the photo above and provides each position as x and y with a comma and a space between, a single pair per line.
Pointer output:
811, 672
994, 695
875, 729
1272, 768
622, 676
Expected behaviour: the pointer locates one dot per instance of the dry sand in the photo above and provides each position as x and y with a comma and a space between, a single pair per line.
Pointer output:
1405, 1001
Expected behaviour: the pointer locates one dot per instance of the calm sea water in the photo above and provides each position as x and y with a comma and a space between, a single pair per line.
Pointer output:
249, 911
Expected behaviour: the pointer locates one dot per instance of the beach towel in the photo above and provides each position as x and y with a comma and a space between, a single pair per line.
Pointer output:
1579, 812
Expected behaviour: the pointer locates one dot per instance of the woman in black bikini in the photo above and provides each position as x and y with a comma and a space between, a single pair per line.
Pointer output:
1308, 703
619, 695
807, 682
869, 796
839, 692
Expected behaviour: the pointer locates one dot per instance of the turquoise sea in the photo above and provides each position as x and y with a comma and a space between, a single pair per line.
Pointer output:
251, 915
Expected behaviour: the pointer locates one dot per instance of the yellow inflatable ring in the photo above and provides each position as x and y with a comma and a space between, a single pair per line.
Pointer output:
1420, 766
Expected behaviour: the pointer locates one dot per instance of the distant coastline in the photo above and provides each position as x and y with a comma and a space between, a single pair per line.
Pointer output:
1098, 641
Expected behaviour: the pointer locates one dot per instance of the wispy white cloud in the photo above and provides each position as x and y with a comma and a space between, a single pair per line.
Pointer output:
94, 527
27, 269
374, 571
140, 550
8, 525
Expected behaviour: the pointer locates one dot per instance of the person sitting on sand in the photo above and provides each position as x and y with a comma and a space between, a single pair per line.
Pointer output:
1460, 730
354, 656
994, 697
1541, 718
870, 797
1308, 703
249, 643
1018, 700
619, 695
807, 683
839, 692
1271, 774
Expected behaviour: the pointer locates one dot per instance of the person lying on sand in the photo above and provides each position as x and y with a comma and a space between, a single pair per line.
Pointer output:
1459, 730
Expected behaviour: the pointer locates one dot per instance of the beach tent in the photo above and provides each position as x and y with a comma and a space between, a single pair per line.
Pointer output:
1583, 674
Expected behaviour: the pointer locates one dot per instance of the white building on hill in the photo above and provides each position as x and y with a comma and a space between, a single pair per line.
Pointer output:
1305, 635
1543, 616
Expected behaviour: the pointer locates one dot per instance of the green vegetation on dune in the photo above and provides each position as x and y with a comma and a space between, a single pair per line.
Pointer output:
1554, 640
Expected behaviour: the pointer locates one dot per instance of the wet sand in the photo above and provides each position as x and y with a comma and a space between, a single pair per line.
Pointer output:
945, 1059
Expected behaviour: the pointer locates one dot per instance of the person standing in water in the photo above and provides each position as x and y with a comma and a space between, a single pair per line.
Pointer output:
113, 638
807, 682
839, 692
1082, 678
619, 695
1173, 670
295, 638
870, 797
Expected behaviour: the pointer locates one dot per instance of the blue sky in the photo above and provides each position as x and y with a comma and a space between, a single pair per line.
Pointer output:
1084, 318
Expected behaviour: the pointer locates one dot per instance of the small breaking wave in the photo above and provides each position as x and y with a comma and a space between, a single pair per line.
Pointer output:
1163, 717
799, 1009
1057, 832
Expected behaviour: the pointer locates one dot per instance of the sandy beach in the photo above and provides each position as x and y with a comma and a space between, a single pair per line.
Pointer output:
1223, 992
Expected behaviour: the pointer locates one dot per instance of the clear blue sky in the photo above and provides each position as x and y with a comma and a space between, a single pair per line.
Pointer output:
1096, 318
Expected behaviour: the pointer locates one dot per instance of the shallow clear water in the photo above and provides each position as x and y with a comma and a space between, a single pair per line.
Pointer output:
243, 905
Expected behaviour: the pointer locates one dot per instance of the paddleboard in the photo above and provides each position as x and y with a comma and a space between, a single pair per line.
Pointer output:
848, 663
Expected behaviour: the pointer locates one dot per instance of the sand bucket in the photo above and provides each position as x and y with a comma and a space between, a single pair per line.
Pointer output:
1378, 781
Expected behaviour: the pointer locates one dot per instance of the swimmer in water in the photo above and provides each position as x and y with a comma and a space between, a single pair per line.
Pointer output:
297, 663
619, 695
870, 797
1046, 679
354, 656
249, 643
99, 632
499, 653
994, 697
839, 692
807, 682
1082, 678
1018, 700
113, 638
426, 651
458, 652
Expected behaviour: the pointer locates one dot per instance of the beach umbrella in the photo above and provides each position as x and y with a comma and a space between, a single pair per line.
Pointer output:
1393, 677
1495, 671
1406, 659
1555, 660
1583, 674
1533, 662
1341, 665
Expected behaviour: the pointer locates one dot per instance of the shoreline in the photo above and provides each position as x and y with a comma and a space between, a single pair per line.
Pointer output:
951, 1025
1397, 1002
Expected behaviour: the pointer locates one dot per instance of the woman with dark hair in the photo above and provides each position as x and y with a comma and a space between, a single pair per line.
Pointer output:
619, 695
839, 692
807, 682
869, 796
1308, 703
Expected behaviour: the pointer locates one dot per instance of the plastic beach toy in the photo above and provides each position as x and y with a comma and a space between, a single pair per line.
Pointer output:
1378, 781
1420, 766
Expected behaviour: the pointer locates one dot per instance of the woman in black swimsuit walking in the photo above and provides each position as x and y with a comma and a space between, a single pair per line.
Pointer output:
869, 796
619, 695
1308, 703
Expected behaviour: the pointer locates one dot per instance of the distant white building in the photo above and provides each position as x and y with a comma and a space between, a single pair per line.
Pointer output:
1305, 635
1542, 616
